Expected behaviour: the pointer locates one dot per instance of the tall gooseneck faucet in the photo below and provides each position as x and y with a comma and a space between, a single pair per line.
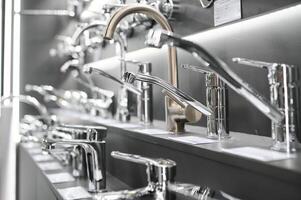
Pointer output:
176, 125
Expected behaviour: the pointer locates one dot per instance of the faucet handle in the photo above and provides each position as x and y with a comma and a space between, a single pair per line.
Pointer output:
254, 63
200, 69
157, 162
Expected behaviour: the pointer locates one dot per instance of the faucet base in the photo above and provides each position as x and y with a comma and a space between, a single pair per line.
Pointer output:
291, 147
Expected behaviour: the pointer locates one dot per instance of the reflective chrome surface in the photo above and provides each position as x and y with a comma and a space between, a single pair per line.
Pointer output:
216, 100
284, 86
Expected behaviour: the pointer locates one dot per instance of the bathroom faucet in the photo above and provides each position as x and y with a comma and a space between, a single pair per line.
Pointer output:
175, 119
94, 153
284, 87
160, 37
188, 103
161, 182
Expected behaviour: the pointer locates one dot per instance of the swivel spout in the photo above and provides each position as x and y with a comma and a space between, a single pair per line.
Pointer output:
177, 94
159, 18
159, 38
33, 102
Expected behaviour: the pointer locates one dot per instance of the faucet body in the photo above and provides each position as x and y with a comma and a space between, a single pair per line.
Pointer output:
217, 101
283, 83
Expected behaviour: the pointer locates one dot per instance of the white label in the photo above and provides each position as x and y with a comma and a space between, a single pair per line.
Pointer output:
35, 151
50, 166
30, 145
126, 125
60, 177
226, 11
193, 140
74, 193
258, 153
152, 131
42, 157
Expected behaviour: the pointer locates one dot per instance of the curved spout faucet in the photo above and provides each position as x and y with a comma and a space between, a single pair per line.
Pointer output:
175, 119
160, 37
33, 102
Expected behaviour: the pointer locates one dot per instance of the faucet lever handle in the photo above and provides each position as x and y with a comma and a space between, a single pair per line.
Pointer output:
254, 63
157, 162
200, 69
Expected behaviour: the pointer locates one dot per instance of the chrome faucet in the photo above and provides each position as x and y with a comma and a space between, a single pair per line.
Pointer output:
283, 81
122, 113
160, 37
33, 102
189, 104
94, 153
217, 101
161, 182
175, 119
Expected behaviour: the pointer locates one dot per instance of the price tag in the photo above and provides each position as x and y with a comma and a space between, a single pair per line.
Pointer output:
42, 157
152, 131
60, 177
74, 193
193, 140
258, 153
50, 166
226, 11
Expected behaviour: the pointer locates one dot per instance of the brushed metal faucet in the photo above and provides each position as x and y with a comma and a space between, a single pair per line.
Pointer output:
160, 37
93, 147
175, 119
161, 183
188, 103
216, 100
284, 87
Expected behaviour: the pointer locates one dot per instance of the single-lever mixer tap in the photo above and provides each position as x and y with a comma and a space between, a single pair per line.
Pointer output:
283, 80
160, 37
174, 115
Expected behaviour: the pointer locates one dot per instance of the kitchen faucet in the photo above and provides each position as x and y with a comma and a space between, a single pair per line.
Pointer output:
174, 115
284, 87
160, 37
188, 103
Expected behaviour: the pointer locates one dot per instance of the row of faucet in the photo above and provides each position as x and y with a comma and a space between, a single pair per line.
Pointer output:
181, 108
86, 151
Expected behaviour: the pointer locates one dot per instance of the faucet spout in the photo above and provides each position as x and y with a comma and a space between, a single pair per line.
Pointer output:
158, 38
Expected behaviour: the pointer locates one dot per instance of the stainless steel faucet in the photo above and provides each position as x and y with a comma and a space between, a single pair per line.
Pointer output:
33, 102
161, 182
93, 147
189, 104
217, 101
283, 81
160, 37
122, 113
175, 117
